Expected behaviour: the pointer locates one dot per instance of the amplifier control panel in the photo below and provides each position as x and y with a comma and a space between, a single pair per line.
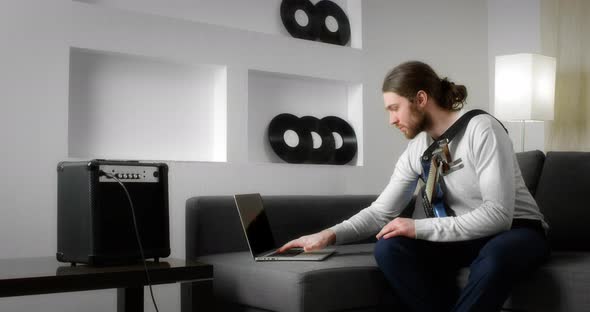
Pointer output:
143, 174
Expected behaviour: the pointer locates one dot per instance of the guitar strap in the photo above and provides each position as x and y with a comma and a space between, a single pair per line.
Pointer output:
442, 142
459, 125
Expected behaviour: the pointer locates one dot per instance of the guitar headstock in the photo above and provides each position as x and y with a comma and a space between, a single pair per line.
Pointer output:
442, 157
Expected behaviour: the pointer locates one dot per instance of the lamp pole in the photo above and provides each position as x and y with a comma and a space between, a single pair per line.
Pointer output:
522, 135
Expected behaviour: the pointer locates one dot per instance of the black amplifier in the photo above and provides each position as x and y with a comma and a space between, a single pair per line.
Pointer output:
94, 218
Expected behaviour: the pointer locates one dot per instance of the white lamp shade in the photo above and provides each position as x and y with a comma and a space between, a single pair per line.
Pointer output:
525, 87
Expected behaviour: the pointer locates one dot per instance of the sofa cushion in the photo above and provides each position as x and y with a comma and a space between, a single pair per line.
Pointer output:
531, 163
559, 285
562, 196
348, 279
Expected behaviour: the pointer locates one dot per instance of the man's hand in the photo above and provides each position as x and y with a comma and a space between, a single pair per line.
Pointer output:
398, 227
311, 242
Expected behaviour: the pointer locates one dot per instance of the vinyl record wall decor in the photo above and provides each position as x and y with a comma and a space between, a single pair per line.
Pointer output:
313, 139
324, 21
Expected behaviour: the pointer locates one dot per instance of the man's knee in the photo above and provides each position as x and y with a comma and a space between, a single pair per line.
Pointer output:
388, 250
493, 267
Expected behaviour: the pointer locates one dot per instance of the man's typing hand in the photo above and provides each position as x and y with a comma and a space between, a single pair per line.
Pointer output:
311, 242
398, 227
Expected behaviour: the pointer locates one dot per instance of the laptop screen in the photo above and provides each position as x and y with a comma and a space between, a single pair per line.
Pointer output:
255, 223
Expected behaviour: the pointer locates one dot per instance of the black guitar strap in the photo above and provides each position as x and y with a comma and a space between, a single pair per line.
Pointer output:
459, 125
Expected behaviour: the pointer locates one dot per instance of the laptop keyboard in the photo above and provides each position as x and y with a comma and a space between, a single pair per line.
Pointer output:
288, 253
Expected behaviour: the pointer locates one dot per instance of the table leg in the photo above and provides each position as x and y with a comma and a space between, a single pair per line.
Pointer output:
197, 296
130, 299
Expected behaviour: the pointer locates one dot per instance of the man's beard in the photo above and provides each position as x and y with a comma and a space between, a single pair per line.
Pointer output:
419, 121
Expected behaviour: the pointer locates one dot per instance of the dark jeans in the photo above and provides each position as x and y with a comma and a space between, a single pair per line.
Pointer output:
423, 274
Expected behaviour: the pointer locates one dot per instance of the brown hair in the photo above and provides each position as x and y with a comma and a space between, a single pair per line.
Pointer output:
408, 78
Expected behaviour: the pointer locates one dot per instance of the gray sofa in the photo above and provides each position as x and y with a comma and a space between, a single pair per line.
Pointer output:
350, 279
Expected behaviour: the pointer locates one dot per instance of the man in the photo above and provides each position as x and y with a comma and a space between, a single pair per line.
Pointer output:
495, 226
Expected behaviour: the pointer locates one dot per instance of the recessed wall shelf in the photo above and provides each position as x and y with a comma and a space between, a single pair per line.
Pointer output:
270, 94
135, 107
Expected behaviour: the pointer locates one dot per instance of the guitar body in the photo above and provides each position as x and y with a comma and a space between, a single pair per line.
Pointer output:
437, 208
438, 205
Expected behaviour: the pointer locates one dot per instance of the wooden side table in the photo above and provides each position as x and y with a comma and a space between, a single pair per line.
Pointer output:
33, 276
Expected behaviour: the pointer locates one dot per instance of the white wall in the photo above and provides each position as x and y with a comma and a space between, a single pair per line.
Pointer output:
35, 39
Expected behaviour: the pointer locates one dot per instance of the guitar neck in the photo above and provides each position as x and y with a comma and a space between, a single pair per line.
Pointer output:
432, 178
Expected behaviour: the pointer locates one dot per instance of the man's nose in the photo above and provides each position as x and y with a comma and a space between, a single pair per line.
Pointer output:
393, 120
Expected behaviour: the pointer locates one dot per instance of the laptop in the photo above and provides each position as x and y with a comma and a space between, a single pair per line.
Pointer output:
259, 236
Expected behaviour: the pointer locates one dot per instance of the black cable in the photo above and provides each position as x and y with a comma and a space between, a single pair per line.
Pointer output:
147, 275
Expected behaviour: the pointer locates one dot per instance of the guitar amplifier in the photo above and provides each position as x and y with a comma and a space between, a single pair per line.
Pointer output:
94, 218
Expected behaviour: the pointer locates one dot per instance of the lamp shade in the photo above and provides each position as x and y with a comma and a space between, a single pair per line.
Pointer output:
524, 87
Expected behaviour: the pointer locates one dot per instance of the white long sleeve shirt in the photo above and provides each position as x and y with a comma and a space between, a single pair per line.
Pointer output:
485, 195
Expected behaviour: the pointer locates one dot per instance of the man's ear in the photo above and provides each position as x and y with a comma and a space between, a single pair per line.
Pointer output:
421, 98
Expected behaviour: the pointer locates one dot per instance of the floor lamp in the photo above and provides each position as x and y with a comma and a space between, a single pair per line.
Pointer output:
524, 88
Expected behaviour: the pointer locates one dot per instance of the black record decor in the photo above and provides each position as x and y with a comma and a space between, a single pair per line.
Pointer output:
326, 8
324, 152
276, 136
349, 147
304, 152
316, 27
288, 10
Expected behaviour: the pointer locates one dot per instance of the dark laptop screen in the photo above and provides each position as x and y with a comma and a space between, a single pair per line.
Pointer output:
255, 223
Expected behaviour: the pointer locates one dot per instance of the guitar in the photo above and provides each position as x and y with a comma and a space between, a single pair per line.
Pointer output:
436, 162
438, 165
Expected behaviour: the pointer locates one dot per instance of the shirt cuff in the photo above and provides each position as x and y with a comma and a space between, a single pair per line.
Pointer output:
344, 234
424, 228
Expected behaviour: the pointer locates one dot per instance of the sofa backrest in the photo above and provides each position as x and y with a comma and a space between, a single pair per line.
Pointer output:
213, 225
562, 196
531, 164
